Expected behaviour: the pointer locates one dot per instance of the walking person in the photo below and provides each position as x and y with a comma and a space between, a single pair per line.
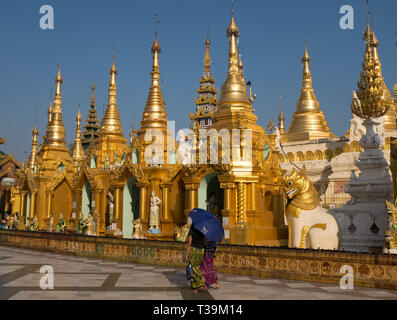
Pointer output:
207, 265
194, 255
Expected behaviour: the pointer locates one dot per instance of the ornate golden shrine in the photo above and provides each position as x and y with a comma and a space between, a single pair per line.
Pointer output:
114, 181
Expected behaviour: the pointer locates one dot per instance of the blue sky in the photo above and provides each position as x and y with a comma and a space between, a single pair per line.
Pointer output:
272, 44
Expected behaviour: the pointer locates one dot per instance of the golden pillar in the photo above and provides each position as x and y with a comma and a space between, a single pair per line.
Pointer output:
165, 189
6, 196
117, 205
254, 196
241, 225
104, 206
166, 221
23, 211
192, 197
143, 186
228, 213
32, 205
49, 204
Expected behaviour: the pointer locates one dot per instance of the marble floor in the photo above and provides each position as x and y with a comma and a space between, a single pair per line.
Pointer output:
79, 278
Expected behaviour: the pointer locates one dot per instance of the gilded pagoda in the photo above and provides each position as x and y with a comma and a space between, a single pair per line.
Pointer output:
111, 181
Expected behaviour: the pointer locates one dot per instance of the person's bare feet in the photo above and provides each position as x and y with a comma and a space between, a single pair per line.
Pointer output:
204, 288
218, 285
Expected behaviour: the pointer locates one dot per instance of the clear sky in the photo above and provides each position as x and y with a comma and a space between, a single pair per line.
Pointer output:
272, 44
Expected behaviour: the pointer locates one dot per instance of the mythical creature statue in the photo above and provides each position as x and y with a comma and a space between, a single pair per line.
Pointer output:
309, 226
138, 233
92, 222
61, 225
182, 232
34, 225
154, 217
16, 221
391, 232
10, 222
81, 226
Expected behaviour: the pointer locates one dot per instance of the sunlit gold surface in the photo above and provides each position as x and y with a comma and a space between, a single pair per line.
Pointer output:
281, 123
391, 114
302, 192
253, 197
234, 89
111, 124
33, 152
78, 151
372, 99
308, 122
56, 131
154, 115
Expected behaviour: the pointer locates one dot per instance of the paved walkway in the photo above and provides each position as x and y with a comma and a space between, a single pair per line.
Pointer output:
79, 278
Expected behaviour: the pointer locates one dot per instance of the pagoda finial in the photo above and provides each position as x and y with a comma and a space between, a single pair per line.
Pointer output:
233, 29
373, 99
93, 94
155, 115
234, 90
58, 81
90, 132
33, 152
113, 70
55, 129
156, 22
78, 151
207, 57
307, 75
207, 101
367, 33
111, 124
281, 118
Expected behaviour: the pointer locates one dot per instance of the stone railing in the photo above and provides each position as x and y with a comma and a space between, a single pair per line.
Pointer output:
370, 270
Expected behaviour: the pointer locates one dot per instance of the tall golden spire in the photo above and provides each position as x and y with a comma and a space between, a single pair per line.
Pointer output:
33, 152
391, 115
55, 130
207, 101
207, 57
154, 114
111, 124
281, 119
49, 116
78, 151
308, 122
234, 89
395, 94
93, 94
372, 99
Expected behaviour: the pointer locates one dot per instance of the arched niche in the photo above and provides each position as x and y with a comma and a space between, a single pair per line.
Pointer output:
62, 201
130, 206
86, 200
208, 185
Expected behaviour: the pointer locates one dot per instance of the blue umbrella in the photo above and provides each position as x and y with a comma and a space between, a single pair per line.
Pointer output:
209, 225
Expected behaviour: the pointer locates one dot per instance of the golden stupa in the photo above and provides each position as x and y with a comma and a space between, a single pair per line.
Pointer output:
308, 122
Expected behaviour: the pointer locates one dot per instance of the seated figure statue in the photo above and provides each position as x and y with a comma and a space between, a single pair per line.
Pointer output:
138, 233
